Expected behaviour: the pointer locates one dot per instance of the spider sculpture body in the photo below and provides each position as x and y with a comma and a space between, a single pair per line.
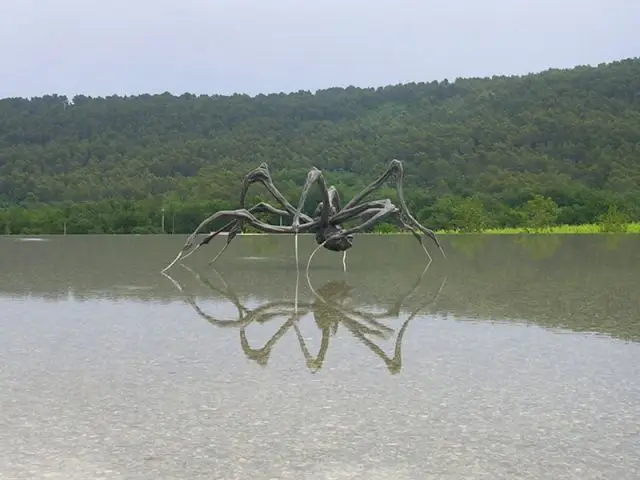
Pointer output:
328, 221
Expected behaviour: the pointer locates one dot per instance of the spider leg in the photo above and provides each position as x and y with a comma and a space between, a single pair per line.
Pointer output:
375, 210
236, 227
262, 175
240, 215
416, 235
371, 207
366, 210
314, 176
396, 169
403, 223
387, 209
336, 204
356, 211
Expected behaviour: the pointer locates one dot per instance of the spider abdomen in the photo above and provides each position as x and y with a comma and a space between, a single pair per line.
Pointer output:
336, 244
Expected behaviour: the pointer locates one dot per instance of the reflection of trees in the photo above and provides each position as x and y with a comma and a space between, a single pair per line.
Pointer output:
263, 245
613, 242
469, 245
329, 308
539, 247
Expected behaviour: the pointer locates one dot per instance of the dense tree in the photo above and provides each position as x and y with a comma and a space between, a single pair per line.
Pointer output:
471, 147
539, 213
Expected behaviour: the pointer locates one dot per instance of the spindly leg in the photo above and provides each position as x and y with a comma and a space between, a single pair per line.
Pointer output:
314, 176
359, 211
376, 211
241, 215
261, 207
387, 209
262, 175
336, 204
373, 186
403, 223
375, 207
236, 227
367, 210
395, 168
416, 235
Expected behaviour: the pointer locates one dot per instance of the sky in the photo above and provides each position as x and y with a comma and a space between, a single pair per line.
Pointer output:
128, 47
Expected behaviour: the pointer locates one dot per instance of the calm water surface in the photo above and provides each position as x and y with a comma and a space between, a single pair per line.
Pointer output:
516, 358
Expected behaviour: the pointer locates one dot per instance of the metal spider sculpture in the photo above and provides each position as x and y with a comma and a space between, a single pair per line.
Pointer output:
328, 308
327, 221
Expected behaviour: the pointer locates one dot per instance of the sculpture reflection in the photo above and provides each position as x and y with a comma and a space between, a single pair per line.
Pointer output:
329, 310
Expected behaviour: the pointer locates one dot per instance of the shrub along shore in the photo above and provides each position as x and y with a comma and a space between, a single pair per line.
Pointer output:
556, 229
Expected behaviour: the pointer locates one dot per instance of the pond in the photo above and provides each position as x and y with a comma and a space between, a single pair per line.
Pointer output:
514, 357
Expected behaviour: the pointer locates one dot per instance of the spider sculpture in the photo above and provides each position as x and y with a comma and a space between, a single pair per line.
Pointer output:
327, 220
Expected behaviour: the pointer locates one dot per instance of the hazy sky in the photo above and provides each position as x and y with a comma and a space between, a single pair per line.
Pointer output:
212, 46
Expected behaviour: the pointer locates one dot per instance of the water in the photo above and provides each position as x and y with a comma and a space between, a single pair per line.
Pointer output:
518, 358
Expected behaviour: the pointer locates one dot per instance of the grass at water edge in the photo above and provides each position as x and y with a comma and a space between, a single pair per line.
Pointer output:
556, 229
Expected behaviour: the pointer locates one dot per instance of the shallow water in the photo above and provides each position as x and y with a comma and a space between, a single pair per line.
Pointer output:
518, 357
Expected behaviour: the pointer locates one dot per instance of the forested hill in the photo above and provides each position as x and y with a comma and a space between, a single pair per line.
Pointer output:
572, 136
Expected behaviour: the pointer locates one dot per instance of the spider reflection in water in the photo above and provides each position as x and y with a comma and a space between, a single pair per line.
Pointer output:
328, 308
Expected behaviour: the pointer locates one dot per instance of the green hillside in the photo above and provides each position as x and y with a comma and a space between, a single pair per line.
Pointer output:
476, 151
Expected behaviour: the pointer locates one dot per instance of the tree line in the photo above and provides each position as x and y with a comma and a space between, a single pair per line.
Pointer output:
557, 147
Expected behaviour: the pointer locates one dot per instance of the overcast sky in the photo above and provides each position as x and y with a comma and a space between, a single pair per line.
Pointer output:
211, 46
